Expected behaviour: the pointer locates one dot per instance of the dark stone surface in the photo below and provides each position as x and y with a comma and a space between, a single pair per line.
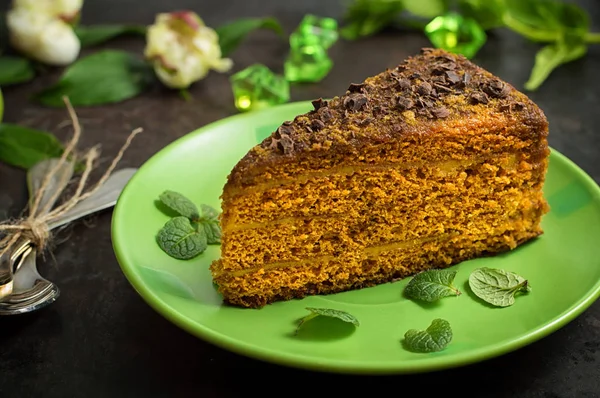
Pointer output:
101, 340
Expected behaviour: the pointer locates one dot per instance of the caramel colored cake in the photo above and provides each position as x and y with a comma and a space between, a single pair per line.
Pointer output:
429, 164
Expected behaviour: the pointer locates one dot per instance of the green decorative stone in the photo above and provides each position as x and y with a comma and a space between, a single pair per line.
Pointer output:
257, 87
325, 29
456, 34
308, 60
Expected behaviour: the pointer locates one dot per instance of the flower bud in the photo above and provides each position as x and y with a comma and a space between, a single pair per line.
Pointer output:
67, 10
42, 37
183, 49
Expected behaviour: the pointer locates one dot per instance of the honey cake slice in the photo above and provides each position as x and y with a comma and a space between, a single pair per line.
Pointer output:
422, 166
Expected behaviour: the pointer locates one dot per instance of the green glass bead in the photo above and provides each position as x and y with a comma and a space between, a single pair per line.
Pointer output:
456, 34
325, 29
257, 87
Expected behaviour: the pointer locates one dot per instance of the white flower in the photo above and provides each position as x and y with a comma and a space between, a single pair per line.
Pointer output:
183, 49
42, 37
67, 10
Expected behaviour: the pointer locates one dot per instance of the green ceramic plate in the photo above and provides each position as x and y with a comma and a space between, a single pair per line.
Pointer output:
563, 267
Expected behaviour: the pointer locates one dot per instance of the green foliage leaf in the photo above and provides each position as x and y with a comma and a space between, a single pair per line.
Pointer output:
232, 34
341, 315
209, 213
487, 13
367, 17
15, 70
545, 20
435, 338
98, 34
432, 285
179, 239
552, 56
426, 8
497, 286
179, 204
24, 147
104, 77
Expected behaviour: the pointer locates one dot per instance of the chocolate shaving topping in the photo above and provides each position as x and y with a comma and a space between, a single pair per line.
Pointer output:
283, 130
478, 98
415, 75
405, 103
401, 68
453, 77
424, 88
440, 112
316, 124
466, 78
356, 88
496, 89
403, 84
366, 121
518, 106
355, 101
319, 103
325, 114
286, 144
287, 123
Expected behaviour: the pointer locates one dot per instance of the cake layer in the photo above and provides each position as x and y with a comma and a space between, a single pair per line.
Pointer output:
359, 269
462, 139
297, 239
363, 190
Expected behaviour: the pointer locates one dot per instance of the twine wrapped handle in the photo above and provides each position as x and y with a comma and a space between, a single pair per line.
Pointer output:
35, 227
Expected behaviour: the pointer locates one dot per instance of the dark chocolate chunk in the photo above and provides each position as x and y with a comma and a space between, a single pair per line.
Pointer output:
356, 88
424, 103
424, 88
440, 112
365, 122
478, 98
319, 103
401, 68
404, 103
466, 78
518, 106
453, 77
316, 124
415, 75
287, 123
325, 114
355, 101
286, 144
442, 87
496, 89
403, 84
283, 130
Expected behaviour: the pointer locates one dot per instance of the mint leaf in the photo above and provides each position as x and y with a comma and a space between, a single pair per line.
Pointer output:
497, 286
232, 34
180, 204
435, 338
210, 222
15, 70
315, 312
426, 8
552, 56
432, 285
179, 239
24, 147
104, 77
367, 17
98, 34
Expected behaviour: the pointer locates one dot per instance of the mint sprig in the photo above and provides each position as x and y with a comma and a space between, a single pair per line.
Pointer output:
432, 285
435, 338
497, 286
187, 235
338, 314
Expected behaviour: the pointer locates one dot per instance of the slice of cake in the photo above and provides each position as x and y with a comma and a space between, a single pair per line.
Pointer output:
434, 162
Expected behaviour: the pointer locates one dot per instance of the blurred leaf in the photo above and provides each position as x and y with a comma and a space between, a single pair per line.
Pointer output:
15, 70
103, 77
232, 34
24, 147
367, 17
488, 13
97, 34
426, 8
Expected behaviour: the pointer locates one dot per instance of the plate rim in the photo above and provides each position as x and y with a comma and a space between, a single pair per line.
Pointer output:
294, 360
